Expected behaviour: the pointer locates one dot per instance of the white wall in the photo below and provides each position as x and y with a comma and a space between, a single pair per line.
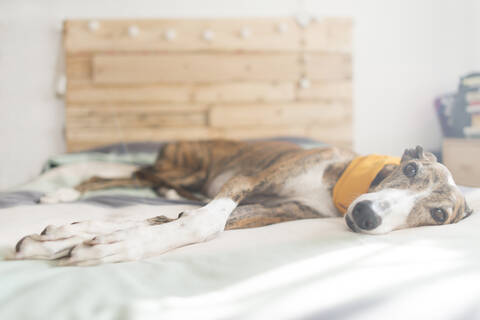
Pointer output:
406, 53
475, 17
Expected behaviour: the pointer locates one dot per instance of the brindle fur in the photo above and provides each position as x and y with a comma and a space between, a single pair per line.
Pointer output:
252, 174
251, 185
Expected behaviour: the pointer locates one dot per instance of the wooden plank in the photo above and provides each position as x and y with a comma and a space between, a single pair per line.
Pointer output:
107, 135
78, 139
75, 146
334, 134
194, 68
78, 69
327, 90
197, 68
138, 121
259, 132
90, 93
244, 92
461, 158
262, 34
329, 35
339, 135
198, 93
281, 114
160, 107
328, 66
143, 117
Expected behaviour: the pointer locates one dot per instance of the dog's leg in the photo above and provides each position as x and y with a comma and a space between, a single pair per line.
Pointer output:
146, 177
148, 237
194, 226
98, 183
55, 242
257, 215
177, 179
92, 184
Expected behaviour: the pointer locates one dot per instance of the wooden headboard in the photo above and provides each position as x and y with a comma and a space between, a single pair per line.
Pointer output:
164, 79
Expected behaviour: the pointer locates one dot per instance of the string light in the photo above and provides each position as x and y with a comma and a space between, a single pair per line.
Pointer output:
282, 27
170, 34
245, 32
303, 20
304, 83
208, 35
133, 31
93, 25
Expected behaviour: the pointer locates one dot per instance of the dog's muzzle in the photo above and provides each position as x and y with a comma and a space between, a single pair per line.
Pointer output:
364, 217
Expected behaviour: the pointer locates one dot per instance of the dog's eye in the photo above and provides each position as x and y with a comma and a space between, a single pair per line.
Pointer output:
439, 215
410, 170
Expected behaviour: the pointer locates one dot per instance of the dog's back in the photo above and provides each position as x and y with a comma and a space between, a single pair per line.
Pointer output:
203, 166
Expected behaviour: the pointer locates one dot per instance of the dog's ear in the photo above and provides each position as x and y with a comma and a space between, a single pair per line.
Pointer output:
418, 153
385, 172
410, 154
467, 211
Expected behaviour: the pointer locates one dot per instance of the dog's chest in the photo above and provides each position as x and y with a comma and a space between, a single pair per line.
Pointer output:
308, 188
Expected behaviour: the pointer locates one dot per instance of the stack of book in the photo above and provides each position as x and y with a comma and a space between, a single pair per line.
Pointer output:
459, 112
473, 108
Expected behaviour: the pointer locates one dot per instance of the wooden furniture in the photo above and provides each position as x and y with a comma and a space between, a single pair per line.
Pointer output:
164, 79
462, 156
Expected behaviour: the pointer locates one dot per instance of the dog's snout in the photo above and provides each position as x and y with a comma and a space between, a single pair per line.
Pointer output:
364, 216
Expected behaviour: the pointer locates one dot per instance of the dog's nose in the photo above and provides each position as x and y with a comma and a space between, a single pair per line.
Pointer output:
364, 216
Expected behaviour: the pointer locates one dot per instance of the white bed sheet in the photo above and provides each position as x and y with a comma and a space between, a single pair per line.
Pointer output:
310, 269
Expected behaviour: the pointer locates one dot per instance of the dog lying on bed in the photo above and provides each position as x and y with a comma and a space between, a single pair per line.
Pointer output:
253, 185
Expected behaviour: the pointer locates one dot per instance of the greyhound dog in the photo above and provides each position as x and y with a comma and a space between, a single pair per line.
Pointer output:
253, 184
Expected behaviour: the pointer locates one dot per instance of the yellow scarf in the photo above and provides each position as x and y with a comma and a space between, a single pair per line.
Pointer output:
357, 177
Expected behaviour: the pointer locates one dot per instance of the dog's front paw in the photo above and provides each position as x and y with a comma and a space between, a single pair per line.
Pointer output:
61, 195
36, 247
57, 241
93, 252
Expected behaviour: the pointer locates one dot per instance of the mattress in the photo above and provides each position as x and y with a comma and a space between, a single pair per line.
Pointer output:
308, 269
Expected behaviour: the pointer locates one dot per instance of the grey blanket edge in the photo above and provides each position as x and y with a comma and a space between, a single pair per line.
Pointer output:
26, 198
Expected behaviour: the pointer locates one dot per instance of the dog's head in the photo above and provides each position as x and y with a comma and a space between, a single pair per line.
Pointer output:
418, 192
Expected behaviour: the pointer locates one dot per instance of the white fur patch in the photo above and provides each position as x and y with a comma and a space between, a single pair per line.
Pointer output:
392, 205
223, 206
172, 194
450, 179
308, 189
61, 195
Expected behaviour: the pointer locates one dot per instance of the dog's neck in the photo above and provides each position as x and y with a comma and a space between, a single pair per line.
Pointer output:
359, 176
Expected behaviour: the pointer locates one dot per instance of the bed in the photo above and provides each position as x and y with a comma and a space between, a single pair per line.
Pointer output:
310, 269
120, 90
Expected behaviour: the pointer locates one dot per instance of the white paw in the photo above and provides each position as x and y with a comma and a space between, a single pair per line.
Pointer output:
173, 195
87, 254
56, 242
61, 195
34, 247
